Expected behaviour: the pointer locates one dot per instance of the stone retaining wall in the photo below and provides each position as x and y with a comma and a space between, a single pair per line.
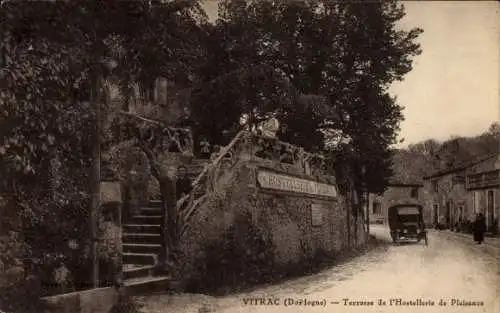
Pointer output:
100, 300
287, 216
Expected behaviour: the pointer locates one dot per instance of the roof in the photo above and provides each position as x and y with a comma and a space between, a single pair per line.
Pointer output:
462, 166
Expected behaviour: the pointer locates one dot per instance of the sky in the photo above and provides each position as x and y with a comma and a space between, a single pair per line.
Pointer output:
453, 89
454, 86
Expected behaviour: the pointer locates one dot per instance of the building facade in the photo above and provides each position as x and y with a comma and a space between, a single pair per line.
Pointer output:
458, 194
483, 189
448, 203
395, 193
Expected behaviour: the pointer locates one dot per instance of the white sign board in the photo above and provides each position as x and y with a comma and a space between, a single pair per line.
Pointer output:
280, 182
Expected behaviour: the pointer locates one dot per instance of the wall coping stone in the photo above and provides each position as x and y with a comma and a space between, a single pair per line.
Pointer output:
97, 300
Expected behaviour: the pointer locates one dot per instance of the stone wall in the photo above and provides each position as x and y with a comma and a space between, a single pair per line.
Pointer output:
287, 216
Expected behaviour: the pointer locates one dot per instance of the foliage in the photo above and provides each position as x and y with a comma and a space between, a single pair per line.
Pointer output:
321, 67
424, 158
50, 53
51, 50
242, 256
345, 53
22, 297
126, 305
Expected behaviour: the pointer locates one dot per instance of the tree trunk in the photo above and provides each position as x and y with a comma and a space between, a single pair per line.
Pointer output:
95, 179
169, 227
348, 217
355, 208
367, 195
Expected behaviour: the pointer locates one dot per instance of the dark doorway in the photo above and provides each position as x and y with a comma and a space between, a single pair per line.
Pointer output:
490, 214
435, 214
448, 214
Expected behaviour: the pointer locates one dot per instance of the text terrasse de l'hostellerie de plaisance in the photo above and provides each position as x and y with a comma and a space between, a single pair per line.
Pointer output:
351, 302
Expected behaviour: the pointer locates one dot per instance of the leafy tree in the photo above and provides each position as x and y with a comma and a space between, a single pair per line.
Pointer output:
50, 53
51, 50
347, 53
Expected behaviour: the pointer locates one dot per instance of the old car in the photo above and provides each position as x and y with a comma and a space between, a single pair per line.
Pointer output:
406, 223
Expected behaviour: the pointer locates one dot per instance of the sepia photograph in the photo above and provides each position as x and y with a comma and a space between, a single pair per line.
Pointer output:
249, 156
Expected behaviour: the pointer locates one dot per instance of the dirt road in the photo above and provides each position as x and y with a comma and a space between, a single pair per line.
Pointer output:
446, 276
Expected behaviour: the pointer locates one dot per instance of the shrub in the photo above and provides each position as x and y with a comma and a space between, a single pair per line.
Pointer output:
10, 250
56, 237
244, 255
22, 297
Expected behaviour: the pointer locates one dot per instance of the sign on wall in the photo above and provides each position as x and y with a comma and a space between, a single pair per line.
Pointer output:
317, 214
280, 182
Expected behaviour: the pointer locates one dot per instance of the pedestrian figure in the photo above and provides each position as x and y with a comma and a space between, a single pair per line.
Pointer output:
183, 183
205, 148
479, 228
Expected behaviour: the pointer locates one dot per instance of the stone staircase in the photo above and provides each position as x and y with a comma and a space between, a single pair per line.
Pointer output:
195, 168
142, 242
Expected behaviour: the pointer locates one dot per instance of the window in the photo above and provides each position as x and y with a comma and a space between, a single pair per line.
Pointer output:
414, 192
435, 213
376, 209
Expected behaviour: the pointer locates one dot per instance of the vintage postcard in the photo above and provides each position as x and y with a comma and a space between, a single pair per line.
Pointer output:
223, 156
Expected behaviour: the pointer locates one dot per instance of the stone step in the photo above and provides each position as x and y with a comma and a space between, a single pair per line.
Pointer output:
196, 165
142, 248
195, 170
137, 271
141, 238
155, 203
145, 220
151, 211
193, 176
146, 285
198, 161
142, 228
140, 258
